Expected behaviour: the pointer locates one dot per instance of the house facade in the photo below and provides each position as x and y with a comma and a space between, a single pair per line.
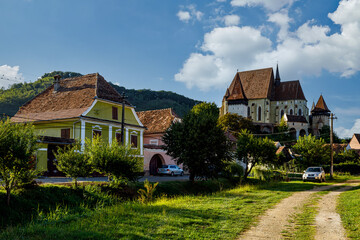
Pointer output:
265, 99
76, 109
156, 123
354, 142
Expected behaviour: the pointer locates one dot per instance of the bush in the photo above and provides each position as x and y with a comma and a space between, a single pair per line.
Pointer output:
73, 163
267, 174
233, 172
118, 162
352, 168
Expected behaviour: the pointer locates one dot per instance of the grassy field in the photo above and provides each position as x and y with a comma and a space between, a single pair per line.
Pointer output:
221, 215
349, 210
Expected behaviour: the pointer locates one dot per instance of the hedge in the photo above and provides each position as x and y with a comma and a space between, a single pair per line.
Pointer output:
351, 168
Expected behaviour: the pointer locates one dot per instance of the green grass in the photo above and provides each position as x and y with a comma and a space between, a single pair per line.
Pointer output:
349, 210
221, 215
27, 204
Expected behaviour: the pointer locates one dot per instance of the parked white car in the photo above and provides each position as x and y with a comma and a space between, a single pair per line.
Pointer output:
314, 174
170, 170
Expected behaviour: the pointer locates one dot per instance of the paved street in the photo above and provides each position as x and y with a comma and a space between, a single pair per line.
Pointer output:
104, 179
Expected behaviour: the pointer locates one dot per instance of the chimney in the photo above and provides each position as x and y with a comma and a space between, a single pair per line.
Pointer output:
57, 83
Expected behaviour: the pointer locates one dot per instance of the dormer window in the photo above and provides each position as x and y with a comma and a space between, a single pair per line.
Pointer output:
115, 113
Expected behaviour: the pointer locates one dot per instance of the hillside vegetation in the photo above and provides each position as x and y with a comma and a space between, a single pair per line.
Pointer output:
13, 98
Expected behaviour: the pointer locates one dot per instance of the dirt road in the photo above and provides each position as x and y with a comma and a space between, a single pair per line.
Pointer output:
275, 220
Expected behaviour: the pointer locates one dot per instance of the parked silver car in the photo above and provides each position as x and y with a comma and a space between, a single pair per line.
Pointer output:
314, 174
170, 170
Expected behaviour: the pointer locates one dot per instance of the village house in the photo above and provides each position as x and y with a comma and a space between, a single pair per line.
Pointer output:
263, 97
156, 123
75, 109
354, 142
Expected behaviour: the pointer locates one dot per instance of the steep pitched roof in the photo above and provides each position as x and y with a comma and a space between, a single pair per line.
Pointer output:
258, 84
321, 105
289, 90
157, 121
237, 91
73, 98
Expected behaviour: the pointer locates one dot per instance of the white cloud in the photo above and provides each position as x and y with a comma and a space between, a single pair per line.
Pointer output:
347, 133
9, 75
225, 50
183, 16
272, 5
231, 20
189, 13
305, 51
281, 19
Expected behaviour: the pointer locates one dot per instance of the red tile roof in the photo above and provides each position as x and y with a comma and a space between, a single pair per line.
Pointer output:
73, 98
157, 121
258, 84
321, 106
289, 90
296, 118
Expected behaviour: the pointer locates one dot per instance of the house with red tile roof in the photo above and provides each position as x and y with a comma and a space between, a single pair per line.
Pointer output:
265, 99
354, 142
76, 109
156, 123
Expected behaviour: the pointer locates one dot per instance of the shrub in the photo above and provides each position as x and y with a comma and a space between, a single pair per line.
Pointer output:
352, 168
18, 143
146, 195
233, 172
118, 162
265, 174
73, 163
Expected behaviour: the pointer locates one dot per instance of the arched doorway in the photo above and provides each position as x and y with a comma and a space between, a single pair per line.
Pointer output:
155, 162
302, 132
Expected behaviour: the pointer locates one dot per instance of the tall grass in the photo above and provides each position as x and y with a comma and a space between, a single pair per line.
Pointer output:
218, 215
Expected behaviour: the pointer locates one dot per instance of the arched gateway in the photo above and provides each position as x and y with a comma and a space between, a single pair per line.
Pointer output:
155, 162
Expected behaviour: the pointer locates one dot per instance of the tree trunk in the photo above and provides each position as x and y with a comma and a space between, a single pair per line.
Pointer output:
192, 177
8, 196
75, 183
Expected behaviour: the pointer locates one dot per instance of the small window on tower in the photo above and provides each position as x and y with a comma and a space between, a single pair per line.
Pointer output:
300, 112
115, 113
291, 112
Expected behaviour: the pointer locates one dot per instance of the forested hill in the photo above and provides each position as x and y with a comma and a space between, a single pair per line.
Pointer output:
14, 97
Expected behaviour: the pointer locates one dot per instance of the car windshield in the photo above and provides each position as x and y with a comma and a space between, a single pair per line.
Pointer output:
314, 169
164, 166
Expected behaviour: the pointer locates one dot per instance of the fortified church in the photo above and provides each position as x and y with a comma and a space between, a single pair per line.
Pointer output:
258, 95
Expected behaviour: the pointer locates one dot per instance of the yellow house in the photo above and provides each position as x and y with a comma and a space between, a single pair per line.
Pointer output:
74, 109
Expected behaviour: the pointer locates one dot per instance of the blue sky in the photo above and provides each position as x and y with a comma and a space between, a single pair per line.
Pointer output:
190, 47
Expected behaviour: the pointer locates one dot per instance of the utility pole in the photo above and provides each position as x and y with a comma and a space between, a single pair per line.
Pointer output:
122, 117
331, 145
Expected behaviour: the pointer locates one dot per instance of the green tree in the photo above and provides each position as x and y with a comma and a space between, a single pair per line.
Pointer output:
72, 162
18, 144
348, 156
254, 151
117, 161
198, 142
235, 123
325, 135
282, 134
311, 151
